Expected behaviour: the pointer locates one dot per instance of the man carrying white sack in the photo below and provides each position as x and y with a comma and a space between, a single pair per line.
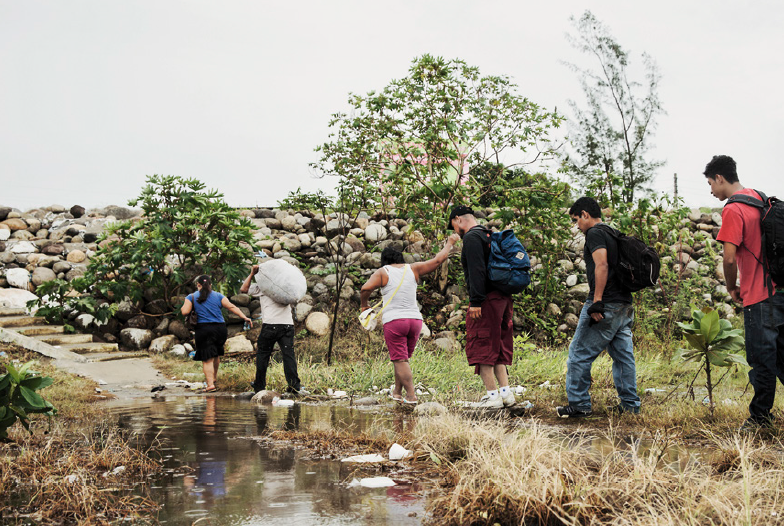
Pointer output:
277, 326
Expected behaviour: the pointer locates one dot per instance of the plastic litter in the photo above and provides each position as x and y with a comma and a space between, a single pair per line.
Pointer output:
339, 394
283, 403
398, 452
373, 457
527, 404
372, 482
519, 390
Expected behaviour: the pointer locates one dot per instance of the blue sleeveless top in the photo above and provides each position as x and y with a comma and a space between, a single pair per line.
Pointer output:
210, 310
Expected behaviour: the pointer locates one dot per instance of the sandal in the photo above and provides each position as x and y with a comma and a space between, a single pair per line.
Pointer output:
409, 402
210, 390
395, 398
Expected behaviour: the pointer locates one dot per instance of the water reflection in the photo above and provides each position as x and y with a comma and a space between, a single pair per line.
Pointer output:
213, 471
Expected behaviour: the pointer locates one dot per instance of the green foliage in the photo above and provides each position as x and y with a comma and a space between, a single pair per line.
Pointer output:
185, 231
611, 135
713, 342
533, 206
58, 296
18, 397
426, 139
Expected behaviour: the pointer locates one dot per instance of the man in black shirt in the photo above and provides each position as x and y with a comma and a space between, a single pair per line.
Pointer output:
489, 330
605, 321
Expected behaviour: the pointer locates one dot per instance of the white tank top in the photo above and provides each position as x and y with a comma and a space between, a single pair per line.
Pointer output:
403, 304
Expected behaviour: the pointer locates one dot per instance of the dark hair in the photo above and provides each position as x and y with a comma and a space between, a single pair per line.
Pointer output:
206, 288
391, 256
723, 165
587, 204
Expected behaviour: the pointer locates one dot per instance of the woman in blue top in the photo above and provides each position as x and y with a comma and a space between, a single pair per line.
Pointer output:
211, 331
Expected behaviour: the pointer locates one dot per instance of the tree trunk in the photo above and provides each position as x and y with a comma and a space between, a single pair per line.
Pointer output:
709, 385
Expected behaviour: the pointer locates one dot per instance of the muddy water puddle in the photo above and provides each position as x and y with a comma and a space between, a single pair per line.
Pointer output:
214, 472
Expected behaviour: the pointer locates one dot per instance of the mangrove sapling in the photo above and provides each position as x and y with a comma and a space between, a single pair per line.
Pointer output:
18, 397
713, 342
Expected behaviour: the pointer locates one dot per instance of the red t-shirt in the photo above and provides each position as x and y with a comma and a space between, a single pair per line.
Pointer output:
740, 225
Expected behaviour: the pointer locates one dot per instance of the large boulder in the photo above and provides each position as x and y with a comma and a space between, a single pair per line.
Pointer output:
15, 224
238, 344
375, 233
163, 344
178, 329
15, 298
281, 281
18, 278
42, 275
136, 339
120, 212
24, 247
317, 323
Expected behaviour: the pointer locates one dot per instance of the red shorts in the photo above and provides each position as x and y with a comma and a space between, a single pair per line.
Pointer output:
401, 336
489, 339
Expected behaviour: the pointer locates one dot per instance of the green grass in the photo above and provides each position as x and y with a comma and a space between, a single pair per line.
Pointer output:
360, 362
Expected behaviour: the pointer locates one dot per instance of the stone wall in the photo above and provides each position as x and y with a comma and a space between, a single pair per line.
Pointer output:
43, 244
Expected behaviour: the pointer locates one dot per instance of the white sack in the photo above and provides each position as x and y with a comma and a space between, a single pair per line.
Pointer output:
281, 281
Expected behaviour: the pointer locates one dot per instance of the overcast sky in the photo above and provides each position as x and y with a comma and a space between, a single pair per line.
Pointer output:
96, 94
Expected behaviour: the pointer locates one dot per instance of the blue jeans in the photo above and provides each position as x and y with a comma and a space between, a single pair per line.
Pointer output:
613, 333
764, 324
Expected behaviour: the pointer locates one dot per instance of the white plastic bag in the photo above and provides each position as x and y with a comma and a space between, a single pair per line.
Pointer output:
281, 281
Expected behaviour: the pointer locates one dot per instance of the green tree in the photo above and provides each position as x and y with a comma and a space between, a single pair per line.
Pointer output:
611, 135
421, 139
184, 232
353, 196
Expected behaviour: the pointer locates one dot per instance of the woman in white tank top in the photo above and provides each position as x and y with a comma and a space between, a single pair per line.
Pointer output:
401, 317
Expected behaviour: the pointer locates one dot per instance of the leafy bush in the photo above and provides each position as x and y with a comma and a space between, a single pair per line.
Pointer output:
184, 232
713, 341
18, 397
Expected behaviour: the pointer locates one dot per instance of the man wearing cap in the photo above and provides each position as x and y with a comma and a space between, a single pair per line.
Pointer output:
489, 321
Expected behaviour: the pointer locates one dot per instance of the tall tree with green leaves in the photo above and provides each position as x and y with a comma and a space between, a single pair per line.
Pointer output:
421, 138
611, 134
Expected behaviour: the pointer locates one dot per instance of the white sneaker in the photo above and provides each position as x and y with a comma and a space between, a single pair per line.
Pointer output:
489, 403
509, 400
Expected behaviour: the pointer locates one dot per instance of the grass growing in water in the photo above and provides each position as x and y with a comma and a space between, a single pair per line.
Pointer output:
57, 474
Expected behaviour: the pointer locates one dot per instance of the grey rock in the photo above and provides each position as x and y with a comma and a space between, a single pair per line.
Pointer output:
136, 339
366, 401
178, 329
430, 408
163, 344
42, 275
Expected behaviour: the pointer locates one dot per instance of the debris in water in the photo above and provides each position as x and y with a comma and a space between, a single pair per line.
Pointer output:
372, 482
373, 457
398, 452
282, 403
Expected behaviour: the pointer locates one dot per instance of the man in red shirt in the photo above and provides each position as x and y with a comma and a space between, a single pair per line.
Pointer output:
763, 310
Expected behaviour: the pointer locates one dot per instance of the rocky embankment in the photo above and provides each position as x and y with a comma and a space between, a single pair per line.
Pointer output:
50, 243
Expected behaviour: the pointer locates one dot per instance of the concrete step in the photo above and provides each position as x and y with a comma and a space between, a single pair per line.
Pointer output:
38, 330
89, 347
11, 322
60, 339
106, 357
12, 312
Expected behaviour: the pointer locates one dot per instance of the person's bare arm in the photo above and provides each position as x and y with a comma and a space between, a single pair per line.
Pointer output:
426, 267
187, 306
367, 289
730, 264
601, 271
246, 284
229, 306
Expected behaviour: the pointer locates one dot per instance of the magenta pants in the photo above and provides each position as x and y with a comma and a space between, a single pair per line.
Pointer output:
401, 336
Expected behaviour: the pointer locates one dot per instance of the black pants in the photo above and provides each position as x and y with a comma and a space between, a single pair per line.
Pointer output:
284, 336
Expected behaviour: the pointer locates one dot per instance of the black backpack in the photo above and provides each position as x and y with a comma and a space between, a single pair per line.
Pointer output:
638, 264
772, 225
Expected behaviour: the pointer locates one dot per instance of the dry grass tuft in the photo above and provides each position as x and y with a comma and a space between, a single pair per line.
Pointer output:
498, 475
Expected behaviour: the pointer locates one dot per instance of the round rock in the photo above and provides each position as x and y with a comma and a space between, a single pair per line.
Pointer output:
317, 323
